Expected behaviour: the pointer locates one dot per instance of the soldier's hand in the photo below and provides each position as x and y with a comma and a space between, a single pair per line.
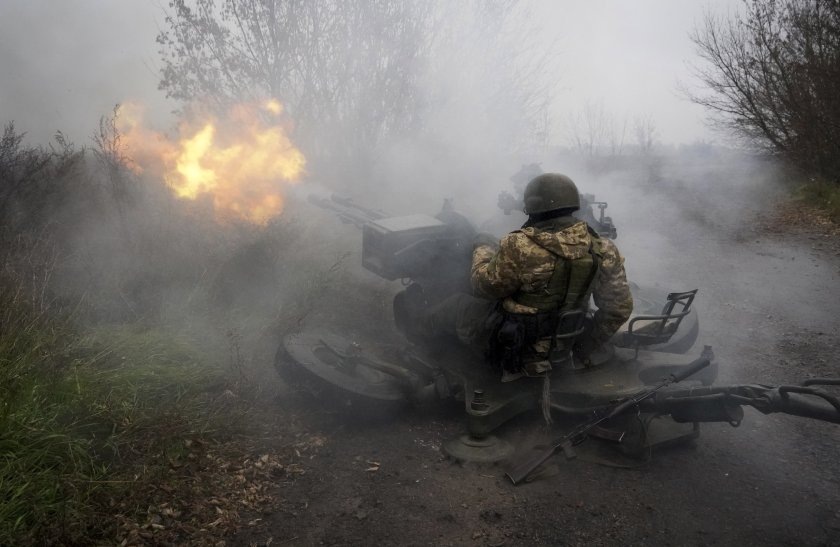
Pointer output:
483, 238
584, 347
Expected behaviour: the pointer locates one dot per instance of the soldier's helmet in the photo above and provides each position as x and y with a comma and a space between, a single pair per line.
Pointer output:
549, 192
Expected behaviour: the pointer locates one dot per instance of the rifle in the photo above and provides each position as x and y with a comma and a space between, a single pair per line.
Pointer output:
521, 472
703, 404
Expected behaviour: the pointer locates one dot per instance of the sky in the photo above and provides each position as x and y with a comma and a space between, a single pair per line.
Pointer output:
67, 63
631, 57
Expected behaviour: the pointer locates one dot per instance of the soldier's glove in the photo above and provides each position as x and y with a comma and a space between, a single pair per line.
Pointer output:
584, 347
483, 238
586, 342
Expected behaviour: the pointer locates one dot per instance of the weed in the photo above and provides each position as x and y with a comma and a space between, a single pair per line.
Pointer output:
823, 194
116, 392
88, 415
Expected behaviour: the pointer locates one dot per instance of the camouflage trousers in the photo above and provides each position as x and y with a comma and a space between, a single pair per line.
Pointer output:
471, 323
470, 319
476, 324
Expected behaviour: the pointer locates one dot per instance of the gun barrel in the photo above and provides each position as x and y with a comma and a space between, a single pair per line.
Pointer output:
346, 214
371, 214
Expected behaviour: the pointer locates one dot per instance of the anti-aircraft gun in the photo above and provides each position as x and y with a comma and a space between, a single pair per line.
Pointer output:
435, 253
637, 395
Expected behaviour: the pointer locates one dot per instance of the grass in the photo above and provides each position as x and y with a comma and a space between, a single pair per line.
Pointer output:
88, 417
38, 451
822, 194
107, 411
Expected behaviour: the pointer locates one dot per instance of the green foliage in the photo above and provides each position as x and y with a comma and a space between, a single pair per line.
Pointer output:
147, 379
81, 411
81, 407
111, 361
823, 194
38, 455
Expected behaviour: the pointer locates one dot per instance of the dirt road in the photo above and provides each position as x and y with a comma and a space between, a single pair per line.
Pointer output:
768, 303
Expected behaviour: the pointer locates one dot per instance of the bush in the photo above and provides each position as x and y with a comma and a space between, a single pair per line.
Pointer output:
105, 376
773, 77
824, 195
80, 410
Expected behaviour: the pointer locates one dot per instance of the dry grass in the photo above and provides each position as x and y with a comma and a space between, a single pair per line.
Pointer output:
799, 215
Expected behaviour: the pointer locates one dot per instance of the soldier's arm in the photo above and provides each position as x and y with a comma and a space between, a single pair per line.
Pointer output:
494, 273
611, 294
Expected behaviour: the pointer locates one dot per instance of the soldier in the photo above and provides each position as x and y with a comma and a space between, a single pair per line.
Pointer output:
553, 264
508, 203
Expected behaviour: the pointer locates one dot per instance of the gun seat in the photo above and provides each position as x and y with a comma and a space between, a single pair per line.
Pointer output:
570, 325
647, 330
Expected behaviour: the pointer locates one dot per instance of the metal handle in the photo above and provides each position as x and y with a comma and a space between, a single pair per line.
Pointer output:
692, 368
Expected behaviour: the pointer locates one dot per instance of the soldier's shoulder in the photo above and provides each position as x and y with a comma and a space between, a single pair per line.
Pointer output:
608, 247
610, 256
515, 242
515, 236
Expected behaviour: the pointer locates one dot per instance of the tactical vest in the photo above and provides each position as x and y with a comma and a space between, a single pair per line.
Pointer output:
568, 289
570, 285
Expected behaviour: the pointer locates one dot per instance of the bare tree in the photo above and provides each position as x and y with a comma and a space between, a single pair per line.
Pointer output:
594, 130
773, 77
644, 129
617, 136
345, 70
355, 74
588, 128
512, 73
109, 151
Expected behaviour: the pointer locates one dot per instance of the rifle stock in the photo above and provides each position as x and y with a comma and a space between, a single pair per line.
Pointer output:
522, 471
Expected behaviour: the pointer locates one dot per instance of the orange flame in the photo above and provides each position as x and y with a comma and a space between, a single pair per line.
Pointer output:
240, 160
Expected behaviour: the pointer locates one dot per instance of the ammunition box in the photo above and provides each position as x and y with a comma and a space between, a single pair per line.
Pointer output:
401, 247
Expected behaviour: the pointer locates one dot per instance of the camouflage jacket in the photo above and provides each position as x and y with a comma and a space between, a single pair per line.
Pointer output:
520, 264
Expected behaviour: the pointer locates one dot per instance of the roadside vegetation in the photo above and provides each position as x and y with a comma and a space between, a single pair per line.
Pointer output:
126, 352
824, 195
771, 77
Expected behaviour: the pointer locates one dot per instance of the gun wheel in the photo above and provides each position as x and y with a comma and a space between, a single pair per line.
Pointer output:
333, 367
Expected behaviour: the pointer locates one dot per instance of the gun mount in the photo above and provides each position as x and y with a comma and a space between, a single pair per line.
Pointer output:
602, 224
621, 398
435, 253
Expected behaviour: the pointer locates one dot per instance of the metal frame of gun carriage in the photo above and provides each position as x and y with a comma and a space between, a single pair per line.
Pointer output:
628, 395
